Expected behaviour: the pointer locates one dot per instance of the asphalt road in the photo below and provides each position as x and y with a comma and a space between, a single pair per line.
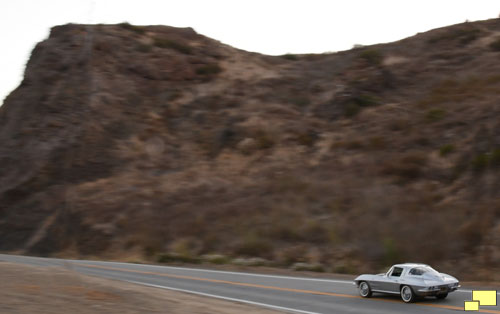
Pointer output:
289, 294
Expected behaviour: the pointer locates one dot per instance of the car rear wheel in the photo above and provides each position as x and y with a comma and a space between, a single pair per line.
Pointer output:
442, 296
364, 289
407, 294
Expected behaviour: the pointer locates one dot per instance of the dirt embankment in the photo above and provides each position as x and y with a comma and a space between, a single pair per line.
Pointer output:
54, 290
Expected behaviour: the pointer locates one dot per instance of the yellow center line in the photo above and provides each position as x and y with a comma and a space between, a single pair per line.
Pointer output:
234, 283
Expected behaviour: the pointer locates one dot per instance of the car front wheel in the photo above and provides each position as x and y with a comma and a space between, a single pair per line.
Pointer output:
407, 294
364, 289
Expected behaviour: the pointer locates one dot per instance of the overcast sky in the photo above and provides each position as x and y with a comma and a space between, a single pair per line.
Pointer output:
266, 26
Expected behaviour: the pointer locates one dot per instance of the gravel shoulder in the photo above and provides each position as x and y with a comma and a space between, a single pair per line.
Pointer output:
56, 290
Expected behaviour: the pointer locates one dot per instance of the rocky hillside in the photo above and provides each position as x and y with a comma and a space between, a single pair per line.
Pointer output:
154, 140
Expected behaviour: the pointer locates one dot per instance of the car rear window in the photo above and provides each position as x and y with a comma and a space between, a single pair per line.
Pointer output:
417, 271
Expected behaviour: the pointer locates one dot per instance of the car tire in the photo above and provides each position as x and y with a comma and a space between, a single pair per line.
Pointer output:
364, 289
407, 294
441, 296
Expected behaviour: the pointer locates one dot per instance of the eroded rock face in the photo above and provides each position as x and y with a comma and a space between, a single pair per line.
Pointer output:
123, 137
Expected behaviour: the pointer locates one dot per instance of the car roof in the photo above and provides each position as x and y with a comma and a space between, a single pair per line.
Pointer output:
405, 265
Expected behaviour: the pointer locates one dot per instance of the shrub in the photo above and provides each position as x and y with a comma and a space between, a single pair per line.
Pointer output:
350, 144
144, 48
308, 267
252, 261
216, 259
495, 157
290, 255
176, 258
134, 28
495, 46
357, 102
351, 109
300, 101
264, 140
372, 56
377, 142
290, 56
171, 44
365, 100
407, 167
435, 114
307, 138
468, 35
480, 162
463, 35
208, 69
446, 149
255, 246
345, 268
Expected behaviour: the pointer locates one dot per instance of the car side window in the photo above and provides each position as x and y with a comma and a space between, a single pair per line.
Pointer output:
396, 272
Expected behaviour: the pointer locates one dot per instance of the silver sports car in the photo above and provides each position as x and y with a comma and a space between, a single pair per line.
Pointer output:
408, 280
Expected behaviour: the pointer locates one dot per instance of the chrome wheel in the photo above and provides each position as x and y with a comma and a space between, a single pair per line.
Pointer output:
364, 290
407, 294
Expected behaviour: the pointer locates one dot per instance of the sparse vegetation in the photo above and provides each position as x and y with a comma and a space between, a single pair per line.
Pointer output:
357, 102
307, 138
259, 166
177, 258
308, 267
435, 114
481, 162
136, 29
208, 69
495, 46
407, 167
172, 44
145, 48
495, 157
351, 109
264, 140
252, 245
446, 149
290, 56
377, 142
463, 35
300, 101
372, 56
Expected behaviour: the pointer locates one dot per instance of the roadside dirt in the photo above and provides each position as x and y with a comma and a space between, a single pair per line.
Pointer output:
55, 290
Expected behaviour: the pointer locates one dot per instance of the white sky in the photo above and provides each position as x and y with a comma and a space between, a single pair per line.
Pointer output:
266, 26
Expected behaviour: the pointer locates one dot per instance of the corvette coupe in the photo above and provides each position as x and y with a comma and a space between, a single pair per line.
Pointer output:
410, 281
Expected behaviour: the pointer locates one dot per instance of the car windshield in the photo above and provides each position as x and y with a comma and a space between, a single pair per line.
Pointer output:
418, 271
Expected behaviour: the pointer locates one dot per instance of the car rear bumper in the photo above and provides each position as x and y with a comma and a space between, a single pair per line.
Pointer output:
437, 290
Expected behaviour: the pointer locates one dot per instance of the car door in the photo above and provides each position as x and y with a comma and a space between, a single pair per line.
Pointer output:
381, 282
393, 280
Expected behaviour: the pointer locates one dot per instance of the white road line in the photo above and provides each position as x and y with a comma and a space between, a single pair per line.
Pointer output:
281, 308
226, 272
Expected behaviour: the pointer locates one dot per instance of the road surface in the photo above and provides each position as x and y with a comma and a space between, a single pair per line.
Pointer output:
289, 294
